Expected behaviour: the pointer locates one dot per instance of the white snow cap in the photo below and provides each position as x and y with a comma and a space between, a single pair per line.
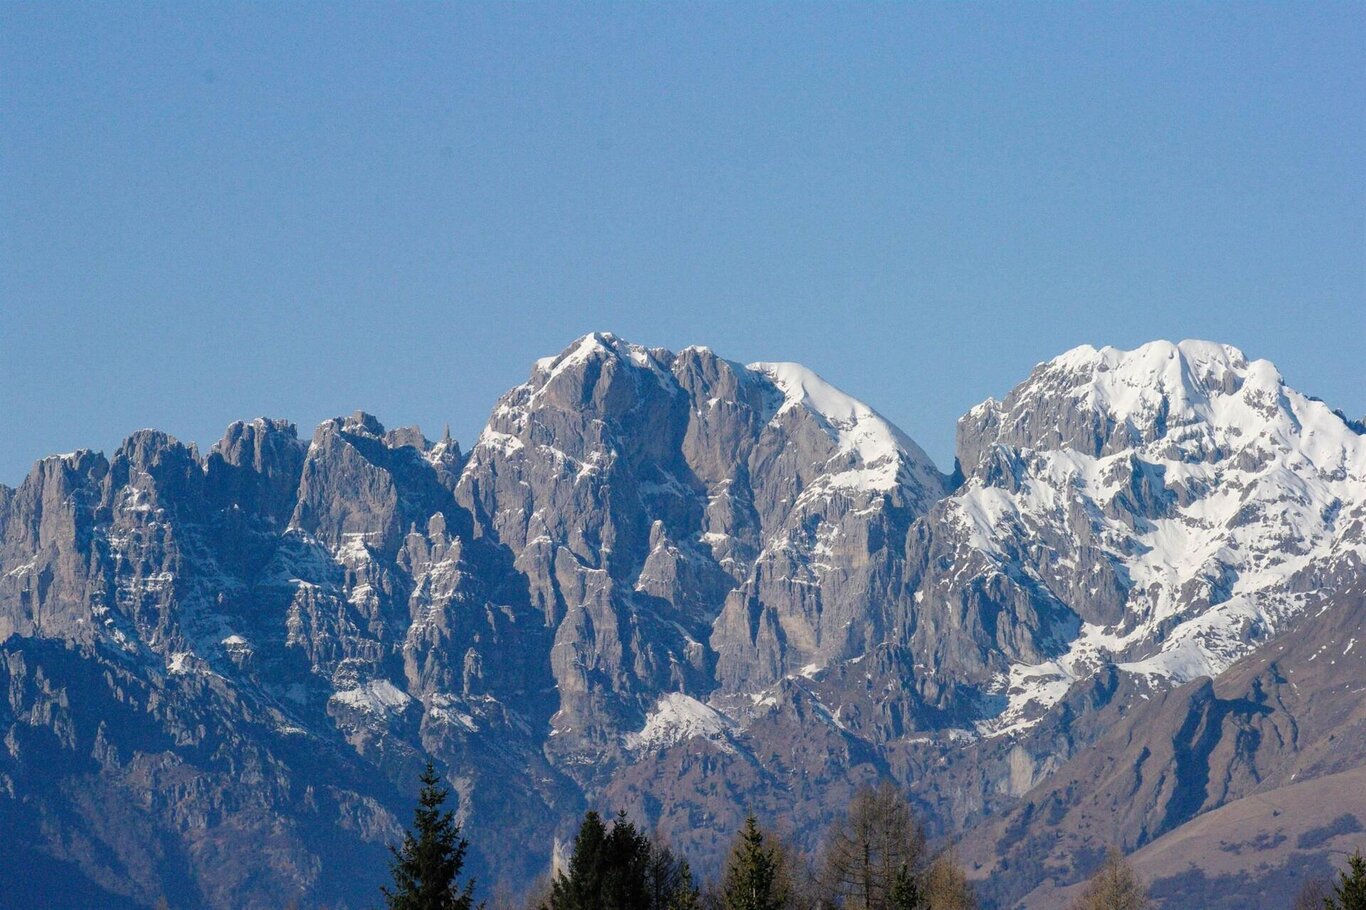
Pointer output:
1183, 373
1273, 483
881, 448
1237, 401
592, 345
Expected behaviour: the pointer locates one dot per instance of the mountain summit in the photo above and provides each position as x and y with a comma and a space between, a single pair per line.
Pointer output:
675, 584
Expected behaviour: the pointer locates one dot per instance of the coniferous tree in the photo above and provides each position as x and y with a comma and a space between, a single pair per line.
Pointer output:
1349, 891
427, 867
625, 880
620, 869
754, 879
905, 893
578, 887
1115, 887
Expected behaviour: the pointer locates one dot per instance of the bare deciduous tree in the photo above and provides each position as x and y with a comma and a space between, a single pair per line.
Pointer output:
1312, 895
869, 846
1115, 887
946, 886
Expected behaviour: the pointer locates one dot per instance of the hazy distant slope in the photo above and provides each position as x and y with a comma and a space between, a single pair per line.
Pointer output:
1291, 714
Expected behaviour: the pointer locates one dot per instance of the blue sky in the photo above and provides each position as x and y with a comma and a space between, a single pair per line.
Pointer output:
212, 212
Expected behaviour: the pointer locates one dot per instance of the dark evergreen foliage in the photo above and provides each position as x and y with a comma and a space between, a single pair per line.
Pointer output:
1349, 891
753, 877
580, 885
426, 869
620, 869
906, 893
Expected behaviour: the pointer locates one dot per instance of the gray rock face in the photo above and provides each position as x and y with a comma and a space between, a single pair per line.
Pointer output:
1167, 509
686, 523
657, 579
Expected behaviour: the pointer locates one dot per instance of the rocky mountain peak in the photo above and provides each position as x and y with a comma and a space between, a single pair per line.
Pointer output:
363, 424
1191, 402
250, 442
1206, 497
878, 452
147, 450
256, 467
657, 577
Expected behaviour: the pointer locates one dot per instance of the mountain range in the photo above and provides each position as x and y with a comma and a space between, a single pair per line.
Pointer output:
688, 588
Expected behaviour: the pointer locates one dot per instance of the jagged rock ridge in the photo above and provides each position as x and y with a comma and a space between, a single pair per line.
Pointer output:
656, 579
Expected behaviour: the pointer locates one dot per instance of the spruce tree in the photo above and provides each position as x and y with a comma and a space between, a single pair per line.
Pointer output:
686, 896
620, 869
427, 867
753, 878
905, 893
1349, 892
579, 886
625, 878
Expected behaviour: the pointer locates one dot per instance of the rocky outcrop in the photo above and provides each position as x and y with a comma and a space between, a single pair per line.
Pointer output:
1291, 712
686, 523
684, 586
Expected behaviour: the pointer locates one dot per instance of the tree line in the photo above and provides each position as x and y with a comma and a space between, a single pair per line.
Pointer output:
875, 857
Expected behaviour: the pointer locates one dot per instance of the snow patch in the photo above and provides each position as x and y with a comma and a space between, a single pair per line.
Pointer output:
678, 717
879, 450
376, 697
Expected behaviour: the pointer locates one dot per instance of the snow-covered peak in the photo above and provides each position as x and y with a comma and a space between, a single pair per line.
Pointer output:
801, 386
880, 449
1193, 401
1152, 356
1134, 384
583, 348
594, 345
1210, 401
1219, 497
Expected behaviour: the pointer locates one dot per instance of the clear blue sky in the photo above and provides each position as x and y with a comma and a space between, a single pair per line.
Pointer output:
212, 212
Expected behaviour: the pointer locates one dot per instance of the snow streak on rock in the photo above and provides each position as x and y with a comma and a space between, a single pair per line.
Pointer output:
1223, 501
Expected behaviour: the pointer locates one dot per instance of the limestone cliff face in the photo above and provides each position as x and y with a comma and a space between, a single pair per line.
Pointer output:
687, 524
656, 580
